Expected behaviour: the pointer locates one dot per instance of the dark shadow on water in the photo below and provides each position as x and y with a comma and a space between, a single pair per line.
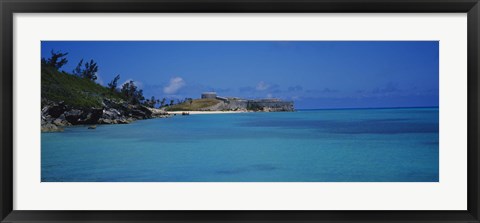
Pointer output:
433, 143
252, 168
374, 126
264, 167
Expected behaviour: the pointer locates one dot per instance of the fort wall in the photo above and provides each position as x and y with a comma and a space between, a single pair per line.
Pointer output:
268, 105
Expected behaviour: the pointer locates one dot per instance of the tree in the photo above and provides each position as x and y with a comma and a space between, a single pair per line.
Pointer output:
189, 100
172, 102
128, 89
138, 97
89, 72
113, 84
57, 60
162, 103
131, 93
151, 102
78, 70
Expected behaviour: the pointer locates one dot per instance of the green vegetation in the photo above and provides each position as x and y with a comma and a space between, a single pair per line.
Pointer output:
79, 89
114, 83
131, 93
193, 105
89, 72
73, 90
57, 60
152, 102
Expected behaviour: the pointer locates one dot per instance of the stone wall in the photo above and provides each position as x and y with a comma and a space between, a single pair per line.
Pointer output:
236, 104
268, 105
209, 95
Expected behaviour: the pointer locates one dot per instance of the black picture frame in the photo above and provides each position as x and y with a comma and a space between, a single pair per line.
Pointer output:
9, 7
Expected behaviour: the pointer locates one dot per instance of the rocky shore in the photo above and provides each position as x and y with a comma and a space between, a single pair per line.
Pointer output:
55, 116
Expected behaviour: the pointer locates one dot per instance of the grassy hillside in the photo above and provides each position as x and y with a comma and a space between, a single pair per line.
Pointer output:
74, 91
195, 105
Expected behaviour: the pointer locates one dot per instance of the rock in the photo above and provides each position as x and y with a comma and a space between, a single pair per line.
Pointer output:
125, 121
92, 127
147, 111
111, 113
44, 120
107, 103
139, 112
122, 121
45, 110
92, 116
55, 110
50, 128
85, 116
58, 122
73, 116
105, 121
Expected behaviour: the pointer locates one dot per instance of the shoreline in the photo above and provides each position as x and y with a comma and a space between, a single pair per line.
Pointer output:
204, 112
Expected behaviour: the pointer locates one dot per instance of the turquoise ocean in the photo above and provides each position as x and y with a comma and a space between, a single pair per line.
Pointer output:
349, 145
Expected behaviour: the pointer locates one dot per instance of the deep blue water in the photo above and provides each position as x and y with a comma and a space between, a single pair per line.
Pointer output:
364, 145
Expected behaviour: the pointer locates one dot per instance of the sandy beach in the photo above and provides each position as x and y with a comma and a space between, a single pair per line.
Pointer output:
205, 112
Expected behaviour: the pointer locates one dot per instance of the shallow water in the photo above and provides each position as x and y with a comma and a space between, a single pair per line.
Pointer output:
364, 145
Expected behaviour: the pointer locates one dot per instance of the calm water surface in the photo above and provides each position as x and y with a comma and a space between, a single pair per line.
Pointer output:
365, 145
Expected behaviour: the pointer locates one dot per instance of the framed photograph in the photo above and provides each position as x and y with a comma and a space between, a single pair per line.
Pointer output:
239, 111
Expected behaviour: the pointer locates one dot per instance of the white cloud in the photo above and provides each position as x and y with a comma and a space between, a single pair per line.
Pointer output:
99, 79
261, 86
137, 83
175, 84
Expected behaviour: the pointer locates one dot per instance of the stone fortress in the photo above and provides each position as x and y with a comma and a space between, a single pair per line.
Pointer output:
232, 103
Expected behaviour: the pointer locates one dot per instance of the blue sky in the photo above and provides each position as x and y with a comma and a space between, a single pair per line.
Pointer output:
314, 74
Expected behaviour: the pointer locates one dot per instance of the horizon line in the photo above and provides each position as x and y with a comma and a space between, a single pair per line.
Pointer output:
366, 108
